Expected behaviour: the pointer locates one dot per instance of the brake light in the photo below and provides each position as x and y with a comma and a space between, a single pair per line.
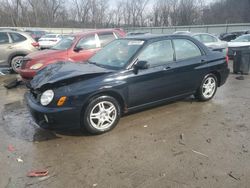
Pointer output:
227, 57
35, 44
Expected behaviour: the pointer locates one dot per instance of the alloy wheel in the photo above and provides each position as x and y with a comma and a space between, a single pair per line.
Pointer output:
209, 87
103, 115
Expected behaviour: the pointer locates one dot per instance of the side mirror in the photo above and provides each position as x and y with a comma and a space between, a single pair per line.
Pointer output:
140, 65
78, 49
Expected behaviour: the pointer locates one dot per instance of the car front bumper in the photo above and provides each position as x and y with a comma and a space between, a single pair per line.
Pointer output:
53, 118
27, 74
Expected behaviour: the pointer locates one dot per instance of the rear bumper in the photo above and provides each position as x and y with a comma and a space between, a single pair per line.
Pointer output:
53, 118
224, 75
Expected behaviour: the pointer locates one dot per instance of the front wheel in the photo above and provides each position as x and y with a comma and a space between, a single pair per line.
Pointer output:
15, 63
207, 88
101, 115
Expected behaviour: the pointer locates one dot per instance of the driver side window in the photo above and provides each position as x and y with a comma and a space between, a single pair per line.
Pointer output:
87, 43
157, 53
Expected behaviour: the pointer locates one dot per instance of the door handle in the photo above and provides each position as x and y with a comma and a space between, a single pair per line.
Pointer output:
10, 47
167, 68
203, 60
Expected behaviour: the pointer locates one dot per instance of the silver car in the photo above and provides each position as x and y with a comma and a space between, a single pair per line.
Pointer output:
14, 46
211, 41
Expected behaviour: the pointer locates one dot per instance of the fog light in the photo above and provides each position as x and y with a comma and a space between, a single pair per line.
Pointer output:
61, 101
46, 118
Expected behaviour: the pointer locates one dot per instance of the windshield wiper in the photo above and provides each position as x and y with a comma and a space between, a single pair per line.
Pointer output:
91, 62
96, 64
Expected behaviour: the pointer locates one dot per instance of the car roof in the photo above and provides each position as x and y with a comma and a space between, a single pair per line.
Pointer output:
11, 31
80, 34
245, 35
155, 36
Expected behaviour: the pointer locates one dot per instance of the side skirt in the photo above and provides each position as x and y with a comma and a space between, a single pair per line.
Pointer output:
159, 102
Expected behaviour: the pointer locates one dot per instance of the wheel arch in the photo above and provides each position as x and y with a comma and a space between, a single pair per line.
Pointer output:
19, 53
110, 93
218, 76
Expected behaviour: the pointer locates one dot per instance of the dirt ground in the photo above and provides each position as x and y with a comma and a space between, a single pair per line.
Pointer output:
182, 144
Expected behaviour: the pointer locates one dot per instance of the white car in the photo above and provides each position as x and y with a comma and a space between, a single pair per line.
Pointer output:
49, 40
241, 41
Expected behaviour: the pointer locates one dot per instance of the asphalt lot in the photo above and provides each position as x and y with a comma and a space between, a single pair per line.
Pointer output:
182, 144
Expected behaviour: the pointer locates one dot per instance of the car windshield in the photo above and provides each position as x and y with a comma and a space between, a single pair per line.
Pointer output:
242, 39
117, 53
64, 44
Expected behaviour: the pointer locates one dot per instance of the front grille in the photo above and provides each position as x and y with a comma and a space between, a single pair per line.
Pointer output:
35, 94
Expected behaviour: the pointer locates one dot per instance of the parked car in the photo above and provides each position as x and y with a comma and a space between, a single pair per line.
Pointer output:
14, 46
209, 40
232, 35
126, 75
77, 47
36, 34
241, 41
49, 40
133, 33
182, 33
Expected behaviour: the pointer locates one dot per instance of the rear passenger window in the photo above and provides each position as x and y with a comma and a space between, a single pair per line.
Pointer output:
157, 53
185, 49
17, 37
4, 39
106, 38
208, 39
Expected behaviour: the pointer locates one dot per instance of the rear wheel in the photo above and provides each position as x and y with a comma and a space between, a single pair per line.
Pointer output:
101, 115
207, 88
15, 63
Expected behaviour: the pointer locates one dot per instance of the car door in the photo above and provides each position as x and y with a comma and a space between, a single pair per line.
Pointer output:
85, 48
5, 47
188, 68
157, 82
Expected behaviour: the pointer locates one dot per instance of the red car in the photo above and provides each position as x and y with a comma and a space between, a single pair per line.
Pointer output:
74, 48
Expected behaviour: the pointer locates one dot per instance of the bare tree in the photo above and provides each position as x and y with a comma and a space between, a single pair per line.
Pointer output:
127, 13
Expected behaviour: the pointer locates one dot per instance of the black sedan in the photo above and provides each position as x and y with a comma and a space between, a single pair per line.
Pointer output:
128, 74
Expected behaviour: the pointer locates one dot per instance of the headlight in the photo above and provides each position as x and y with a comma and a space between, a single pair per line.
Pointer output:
36, 66
47, 97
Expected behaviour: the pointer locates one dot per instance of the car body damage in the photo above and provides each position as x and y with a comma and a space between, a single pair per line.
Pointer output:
65, 72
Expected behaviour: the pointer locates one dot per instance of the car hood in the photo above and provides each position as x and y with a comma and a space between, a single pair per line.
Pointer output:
46, 53
63, 72
238, 44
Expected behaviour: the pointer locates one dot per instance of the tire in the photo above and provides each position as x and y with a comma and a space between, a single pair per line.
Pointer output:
208, 88
14, 63
101, 115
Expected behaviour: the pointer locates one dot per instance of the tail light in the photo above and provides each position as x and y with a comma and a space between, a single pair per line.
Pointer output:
227, 57
35, 44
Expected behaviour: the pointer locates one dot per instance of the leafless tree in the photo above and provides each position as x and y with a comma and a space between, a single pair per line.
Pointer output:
127, 13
